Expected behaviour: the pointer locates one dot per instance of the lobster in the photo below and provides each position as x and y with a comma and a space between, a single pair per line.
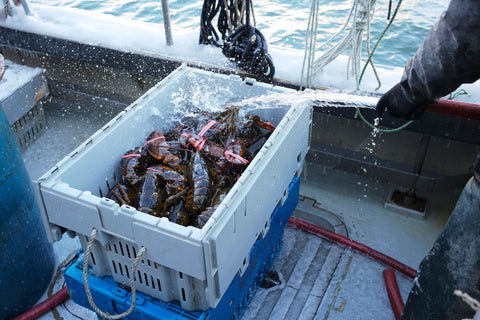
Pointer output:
169, 179
131, 165
199, 195
185, 174
149, 200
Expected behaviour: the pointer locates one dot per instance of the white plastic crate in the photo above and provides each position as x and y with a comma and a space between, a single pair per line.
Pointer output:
21, 92
191, 265
29, 127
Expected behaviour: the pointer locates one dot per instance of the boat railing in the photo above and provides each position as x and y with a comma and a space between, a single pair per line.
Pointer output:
165, 10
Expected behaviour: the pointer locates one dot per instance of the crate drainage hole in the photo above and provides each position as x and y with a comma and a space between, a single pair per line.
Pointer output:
272, 279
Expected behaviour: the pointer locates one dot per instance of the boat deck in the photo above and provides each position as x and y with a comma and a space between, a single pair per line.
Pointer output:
343, 188
313, 278
323, 280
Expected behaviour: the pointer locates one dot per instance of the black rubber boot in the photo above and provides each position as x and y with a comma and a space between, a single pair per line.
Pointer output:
452, 263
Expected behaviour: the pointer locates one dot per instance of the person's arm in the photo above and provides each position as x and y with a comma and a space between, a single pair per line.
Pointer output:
448, 57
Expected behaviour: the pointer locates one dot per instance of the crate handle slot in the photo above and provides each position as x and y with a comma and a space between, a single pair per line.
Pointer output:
132, 281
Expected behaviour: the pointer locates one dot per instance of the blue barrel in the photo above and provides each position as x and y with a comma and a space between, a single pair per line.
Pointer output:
26, 256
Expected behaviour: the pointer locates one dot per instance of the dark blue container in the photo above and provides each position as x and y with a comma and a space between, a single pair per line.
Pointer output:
26, 256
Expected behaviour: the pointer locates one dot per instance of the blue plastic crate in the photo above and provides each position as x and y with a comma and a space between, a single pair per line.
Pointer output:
114, 299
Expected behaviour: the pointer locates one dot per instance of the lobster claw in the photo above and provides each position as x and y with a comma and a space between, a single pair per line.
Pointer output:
157, 145
197, 141
234, 152
262, 123
130, 166
184, 140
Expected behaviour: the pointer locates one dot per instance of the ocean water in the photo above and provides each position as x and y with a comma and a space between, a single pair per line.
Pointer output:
284, 22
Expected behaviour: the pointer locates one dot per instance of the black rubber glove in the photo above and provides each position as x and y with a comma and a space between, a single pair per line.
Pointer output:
398, 105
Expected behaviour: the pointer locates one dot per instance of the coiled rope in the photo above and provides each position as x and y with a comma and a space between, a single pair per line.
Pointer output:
132, 280
241, 42
231, 16
208, 34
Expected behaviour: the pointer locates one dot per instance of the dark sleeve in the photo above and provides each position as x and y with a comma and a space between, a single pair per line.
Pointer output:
449, 55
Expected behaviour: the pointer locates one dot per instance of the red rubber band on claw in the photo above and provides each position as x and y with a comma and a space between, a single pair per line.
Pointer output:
207, 126
156, 138
229, 155
200, 143
131, 155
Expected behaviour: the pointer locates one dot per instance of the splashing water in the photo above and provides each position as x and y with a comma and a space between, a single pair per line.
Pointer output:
320, 98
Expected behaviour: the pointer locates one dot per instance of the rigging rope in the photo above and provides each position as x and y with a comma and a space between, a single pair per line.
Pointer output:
360, 16
369, 59
310, 44
361, 13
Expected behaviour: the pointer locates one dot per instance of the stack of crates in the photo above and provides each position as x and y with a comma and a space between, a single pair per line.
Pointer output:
113, 299
194, 267
21, 92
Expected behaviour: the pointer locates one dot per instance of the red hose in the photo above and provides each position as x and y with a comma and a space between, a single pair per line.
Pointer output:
393, 292
455, 108
44, 306
397, 265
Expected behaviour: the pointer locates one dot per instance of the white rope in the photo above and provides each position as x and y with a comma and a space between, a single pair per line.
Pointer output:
132, 281
310, 44
360, 15
473, 303
369, 53
7, 9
